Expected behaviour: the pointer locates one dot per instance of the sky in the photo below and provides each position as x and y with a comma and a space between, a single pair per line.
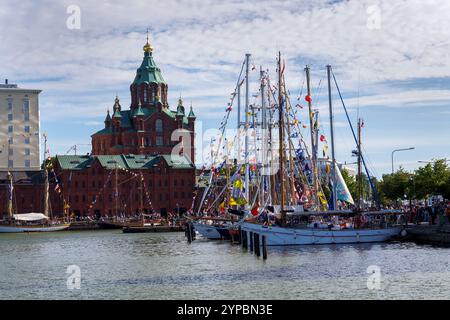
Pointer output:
391, 60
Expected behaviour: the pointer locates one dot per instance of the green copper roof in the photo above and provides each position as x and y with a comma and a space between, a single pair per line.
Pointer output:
117, 114
74, 162
111, 162
148, 72
108, 117
126, 116
180, 108
177, 161
138, 111
191, 113
131, 161
173, 114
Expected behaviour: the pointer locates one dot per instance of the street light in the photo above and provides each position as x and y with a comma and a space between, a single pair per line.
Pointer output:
396, 150
433, 161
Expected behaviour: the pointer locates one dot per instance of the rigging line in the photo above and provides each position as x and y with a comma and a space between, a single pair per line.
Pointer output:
222, 128
375, 193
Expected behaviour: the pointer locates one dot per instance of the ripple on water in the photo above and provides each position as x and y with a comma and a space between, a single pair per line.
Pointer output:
163, 266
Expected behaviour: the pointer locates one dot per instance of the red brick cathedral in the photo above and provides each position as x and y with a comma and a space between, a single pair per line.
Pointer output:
147, 127
133, 167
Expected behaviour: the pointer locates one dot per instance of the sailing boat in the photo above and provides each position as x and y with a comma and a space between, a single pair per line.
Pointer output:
30, 222
319, 225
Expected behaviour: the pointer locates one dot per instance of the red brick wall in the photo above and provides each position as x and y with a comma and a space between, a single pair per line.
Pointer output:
166, 187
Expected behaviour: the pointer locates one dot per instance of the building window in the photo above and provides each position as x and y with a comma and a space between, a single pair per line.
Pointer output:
27, 163
27, 129
26, 110
147, 142
145, 95
159, 141
154, 94
10, 152
10, 104
159, 126
10, 129
27, 140
10, 140
10, 163
27, 151
10, 117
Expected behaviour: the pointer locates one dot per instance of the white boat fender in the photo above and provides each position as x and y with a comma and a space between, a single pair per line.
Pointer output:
403, 233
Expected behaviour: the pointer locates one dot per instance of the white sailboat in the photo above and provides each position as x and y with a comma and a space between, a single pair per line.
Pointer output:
30, 222
320, 229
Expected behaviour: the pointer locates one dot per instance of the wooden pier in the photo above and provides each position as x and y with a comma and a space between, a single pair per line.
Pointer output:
432, 234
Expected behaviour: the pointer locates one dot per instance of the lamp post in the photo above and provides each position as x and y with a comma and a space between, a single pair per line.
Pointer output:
433, 161
396, 150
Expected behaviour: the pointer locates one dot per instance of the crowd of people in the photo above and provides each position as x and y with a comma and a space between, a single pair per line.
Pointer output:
438, 213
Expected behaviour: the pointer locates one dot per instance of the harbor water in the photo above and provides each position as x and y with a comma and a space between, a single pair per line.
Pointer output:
114, 265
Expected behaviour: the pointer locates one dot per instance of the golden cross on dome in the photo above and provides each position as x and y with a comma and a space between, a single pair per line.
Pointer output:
148, 47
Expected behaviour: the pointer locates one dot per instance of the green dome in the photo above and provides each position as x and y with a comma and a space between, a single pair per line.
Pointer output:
148, 72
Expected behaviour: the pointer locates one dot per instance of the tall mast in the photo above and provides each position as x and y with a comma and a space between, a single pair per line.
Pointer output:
246, 184
45, 177
10, 198
359, 167
311, 125
333, 160
281, 138
116, 192
291, 160
142, 193
239, 123
263, 137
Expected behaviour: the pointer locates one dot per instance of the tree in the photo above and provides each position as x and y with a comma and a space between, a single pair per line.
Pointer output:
350, 181
432, 179
394, 187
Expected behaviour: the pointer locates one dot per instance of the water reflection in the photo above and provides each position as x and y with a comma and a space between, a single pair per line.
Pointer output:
164, 266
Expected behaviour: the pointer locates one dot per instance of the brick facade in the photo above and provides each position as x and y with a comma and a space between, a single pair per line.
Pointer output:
134, 143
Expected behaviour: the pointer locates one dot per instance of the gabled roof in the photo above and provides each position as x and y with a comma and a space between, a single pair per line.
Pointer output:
131, 161
111, 162
74, 162
177, 161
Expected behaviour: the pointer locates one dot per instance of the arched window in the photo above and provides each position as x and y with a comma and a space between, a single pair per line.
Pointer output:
154, 94
145, 95
159, 126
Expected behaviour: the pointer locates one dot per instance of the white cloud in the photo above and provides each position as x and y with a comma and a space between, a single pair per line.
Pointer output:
200, 46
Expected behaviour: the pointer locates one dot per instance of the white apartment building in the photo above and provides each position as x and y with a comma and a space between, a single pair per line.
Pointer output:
19, 128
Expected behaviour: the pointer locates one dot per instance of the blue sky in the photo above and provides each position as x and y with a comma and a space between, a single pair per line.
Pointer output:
394, 74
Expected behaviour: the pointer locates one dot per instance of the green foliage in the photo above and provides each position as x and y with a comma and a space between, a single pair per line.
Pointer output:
395, 187
350, 181
352, 185
432, 179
